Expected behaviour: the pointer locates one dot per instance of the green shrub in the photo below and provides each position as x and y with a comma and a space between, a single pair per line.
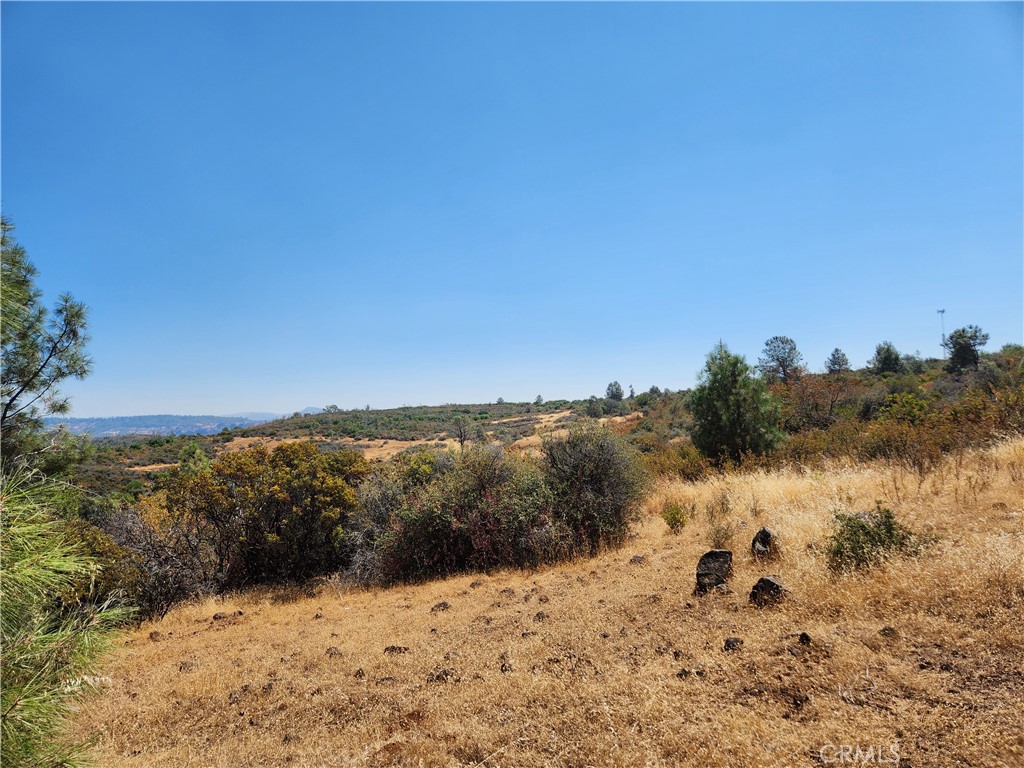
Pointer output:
491, 509
676, 515
596, 481
862, 540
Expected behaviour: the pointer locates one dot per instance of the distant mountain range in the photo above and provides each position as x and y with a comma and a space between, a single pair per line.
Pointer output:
161, 424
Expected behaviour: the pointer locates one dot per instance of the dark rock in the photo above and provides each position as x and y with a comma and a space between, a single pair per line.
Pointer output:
440, 607
805, 639
442, 675
540, 616
333, 651
713, 569
765, 545
318, 615
186, 666
475, 584
395, 649
543, 598
637, 559
732, 644
359, 674
219, 616
888, 631
156, 637
768, 591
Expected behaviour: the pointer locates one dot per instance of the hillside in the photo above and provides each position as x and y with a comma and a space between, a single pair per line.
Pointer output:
613, 661
162, 424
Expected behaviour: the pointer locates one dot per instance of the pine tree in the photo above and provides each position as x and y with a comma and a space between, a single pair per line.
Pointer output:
51, 643
733, 411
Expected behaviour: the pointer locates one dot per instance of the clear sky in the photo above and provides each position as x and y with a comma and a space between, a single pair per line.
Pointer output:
269, 206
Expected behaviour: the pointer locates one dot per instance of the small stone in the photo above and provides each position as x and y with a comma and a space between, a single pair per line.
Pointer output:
543, 599
732, 644
637, 560
393, 650
156, 637
475, 584
285, 659
333, 651
440, 607
713, 569
765, 545
186, 666
540, 616
318, 615
805, 639
768, 591
359, 674
683, 673
219, 616
888, 631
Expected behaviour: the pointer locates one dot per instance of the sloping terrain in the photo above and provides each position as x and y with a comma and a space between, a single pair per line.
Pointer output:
612, 660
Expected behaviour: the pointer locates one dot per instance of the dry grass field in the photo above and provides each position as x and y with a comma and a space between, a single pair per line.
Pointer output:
612, 661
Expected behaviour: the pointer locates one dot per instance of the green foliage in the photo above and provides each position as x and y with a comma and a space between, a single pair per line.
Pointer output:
614, 391
905, 407
862, 540
40, 350
485, 508
596, 481
886, 360
963, 346
837, 362
258, 516
193, 459
676, 515
780, 360
51, 640
733, 412
595, 409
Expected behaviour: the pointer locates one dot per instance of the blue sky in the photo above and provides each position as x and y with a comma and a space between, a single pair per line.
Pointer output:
269, 206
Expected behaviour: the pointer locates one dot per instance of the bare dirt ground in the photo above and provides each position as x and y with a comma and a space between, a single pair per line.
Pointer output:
612, 661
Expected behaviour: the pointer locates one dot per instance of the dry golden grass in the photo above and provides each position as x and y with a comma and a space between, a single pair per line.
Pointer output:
613, 662
152, 467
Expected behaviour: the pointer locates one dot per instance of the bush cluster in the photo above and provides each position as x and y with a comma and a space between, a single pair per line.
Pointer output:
486, 508
865, 539
257, 516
